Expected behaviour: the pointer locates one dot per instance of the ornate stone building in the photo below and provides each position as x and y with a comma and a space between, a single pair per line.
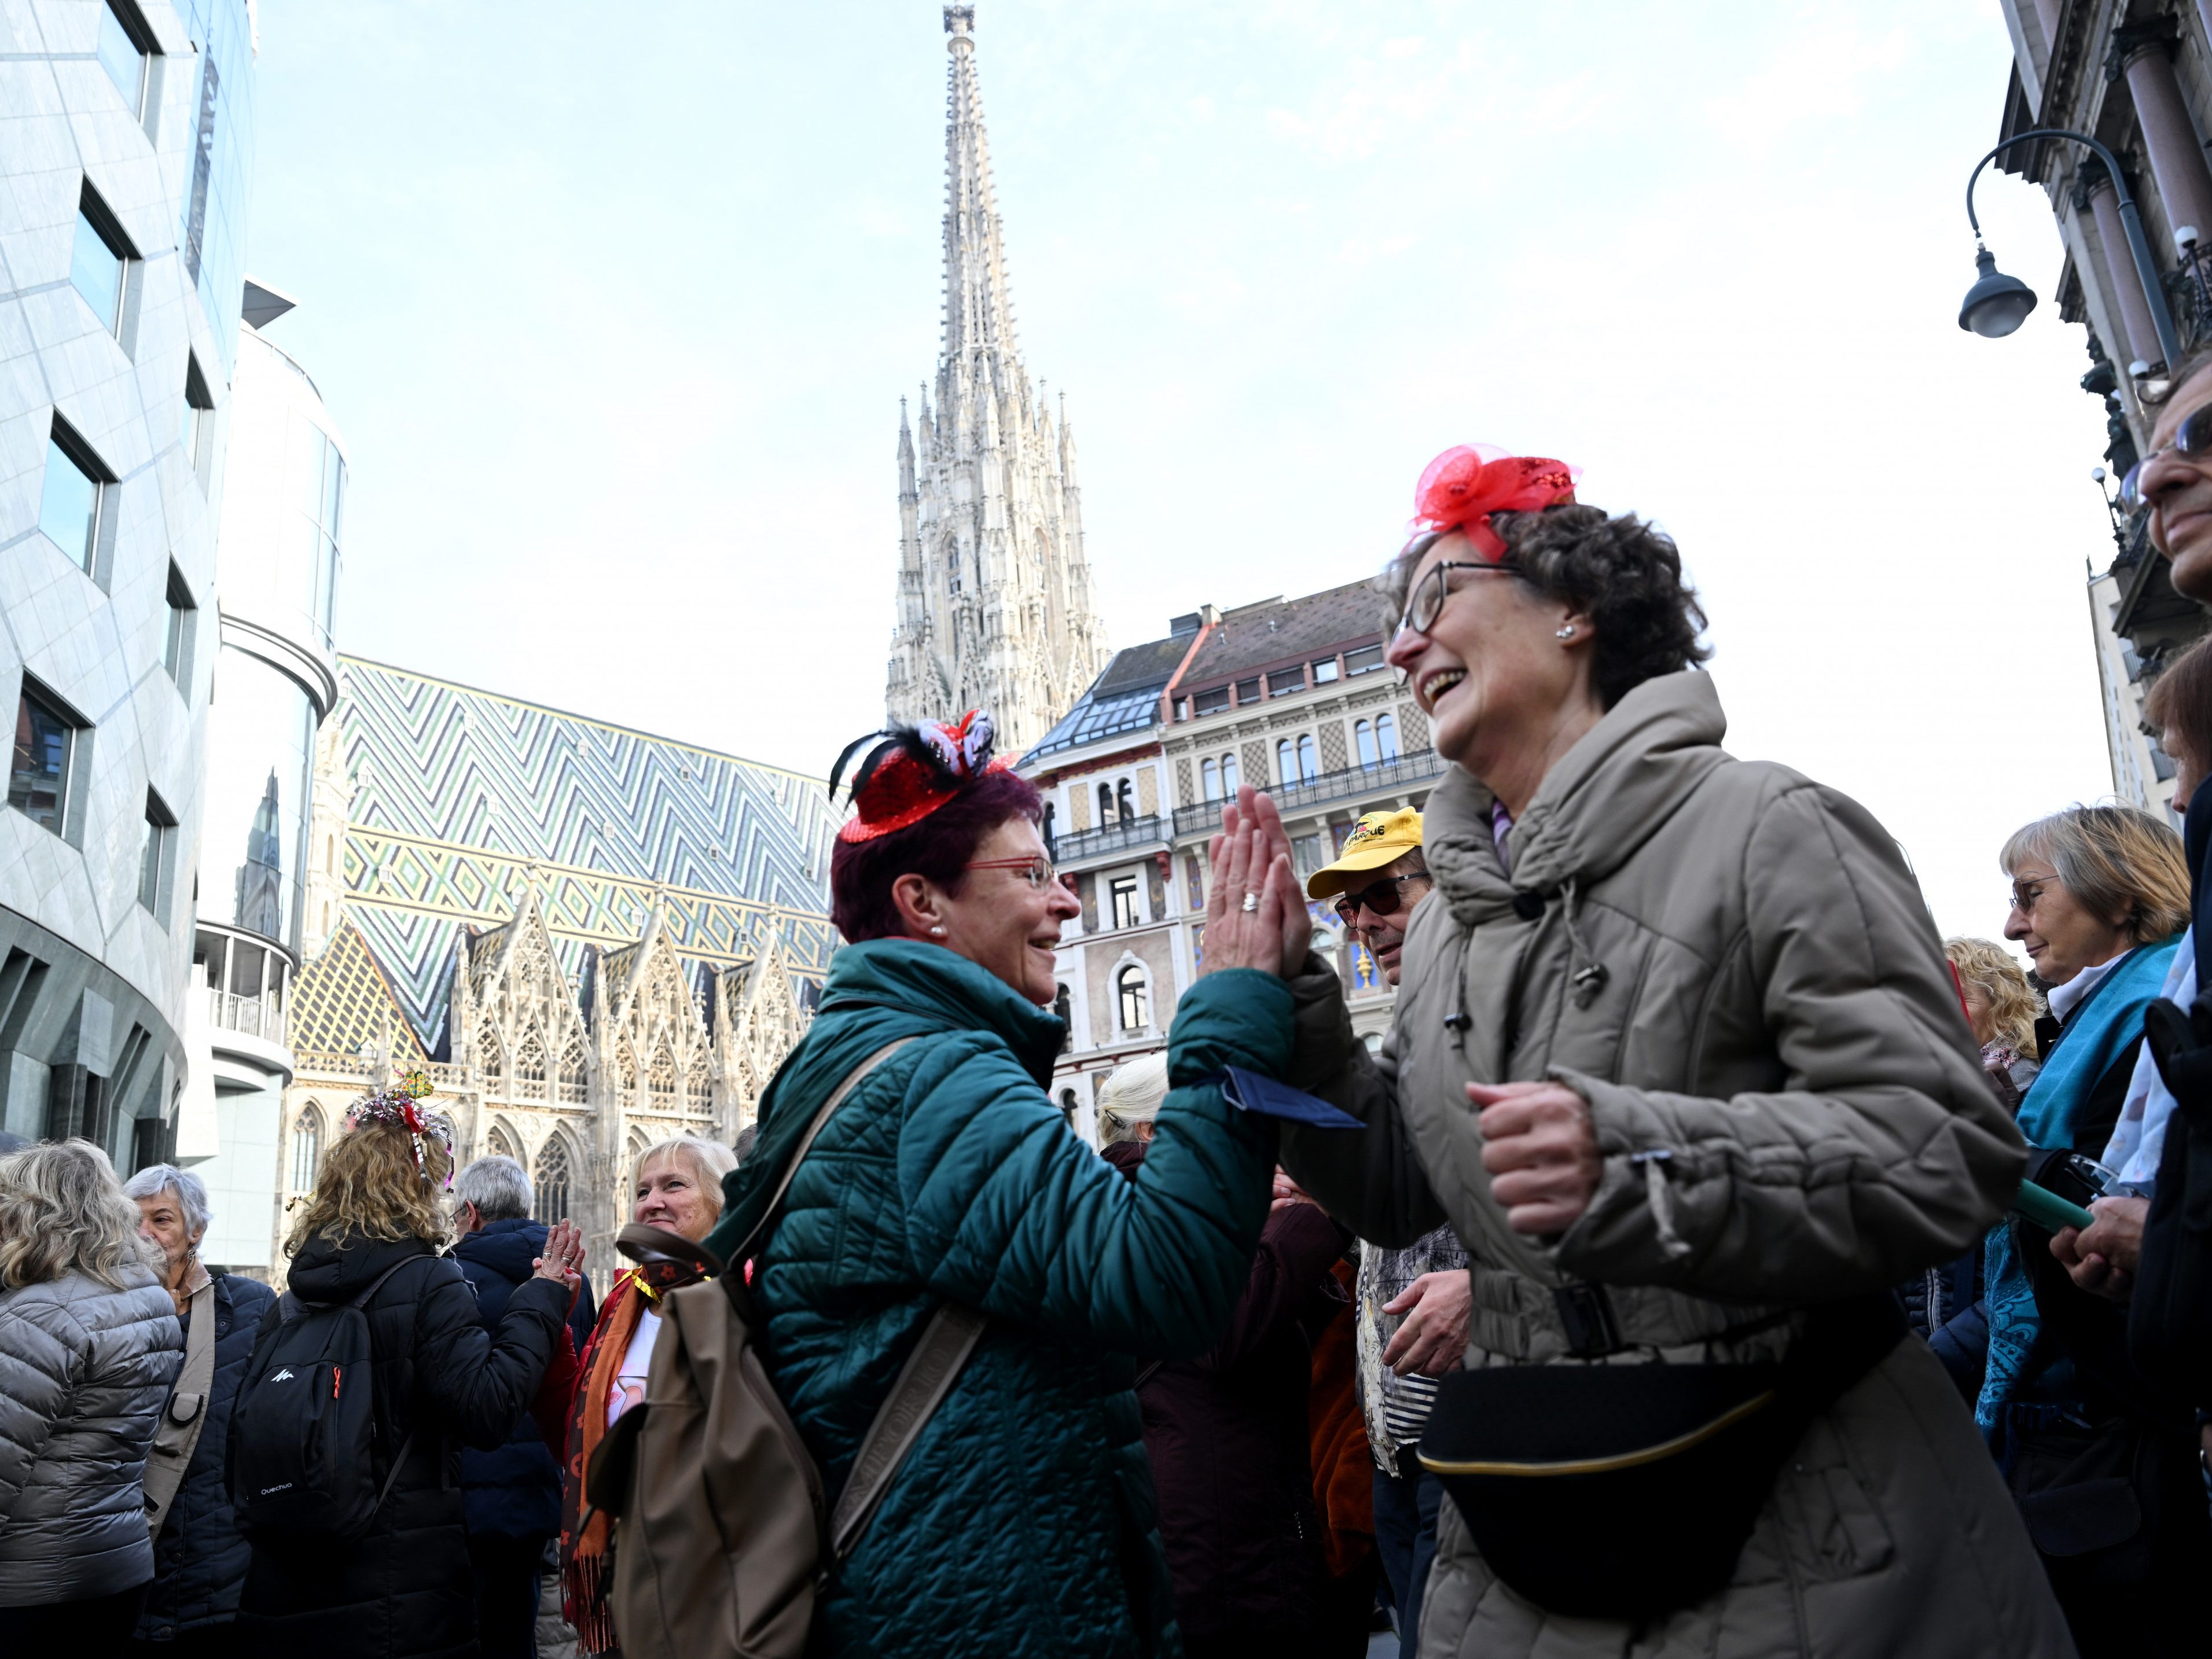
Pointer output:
995, 608
590, 938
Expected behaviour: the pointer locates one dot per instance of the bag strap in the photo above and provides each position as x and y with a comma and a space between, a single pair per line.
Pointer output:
171, 1453
743, 1252
923, 1382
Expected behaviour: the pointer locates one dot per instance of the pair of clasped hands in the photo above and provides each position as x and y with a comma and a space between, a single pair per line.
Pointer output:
1538, 1142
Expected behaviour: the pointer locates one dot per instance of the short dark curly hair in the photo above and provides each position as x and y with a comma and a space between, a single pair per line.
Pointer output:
939, 847
1624, 573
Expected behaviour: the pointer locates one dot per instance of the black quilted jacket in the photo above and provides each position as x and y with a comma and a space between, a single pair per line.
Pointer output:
404, 1591
199, 1559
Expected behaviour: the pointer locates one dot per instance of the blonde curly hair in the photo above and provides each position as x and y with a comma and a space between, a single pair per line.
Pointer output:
2013, 1006
368, 1186
62, 1210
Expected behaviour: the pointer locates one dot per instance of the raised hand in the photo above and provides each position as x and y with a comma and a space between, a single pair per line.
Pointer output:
1253, 894
563, 1260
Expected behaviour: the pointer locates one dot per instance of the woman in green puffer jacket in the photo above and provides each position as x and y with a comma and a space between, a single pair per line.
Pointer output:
1021, 1522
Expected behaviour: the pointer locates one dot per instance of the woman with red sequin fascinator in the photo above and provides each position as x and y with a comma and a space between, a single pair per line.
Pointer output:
947, 1177
1677, 1057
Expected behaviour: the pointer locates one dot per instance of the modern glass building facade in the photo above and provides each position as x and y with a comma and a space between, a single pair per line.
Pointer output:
127, 155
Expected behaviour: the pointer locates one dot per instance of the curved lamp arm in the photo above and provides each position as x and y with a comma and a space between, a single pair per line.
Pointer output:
2147, 273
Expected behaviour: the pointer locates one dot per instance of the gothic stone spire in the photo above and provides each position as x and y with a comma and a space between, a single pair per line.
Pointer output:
994, 600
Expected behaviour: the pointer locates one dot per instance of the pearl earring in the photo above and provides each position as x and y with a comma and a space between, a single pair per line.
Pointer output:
938, 931
1567, 632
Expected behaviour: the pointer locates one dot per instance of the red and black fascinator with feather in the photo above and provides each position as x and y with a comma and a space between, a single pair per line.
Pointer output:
912, 771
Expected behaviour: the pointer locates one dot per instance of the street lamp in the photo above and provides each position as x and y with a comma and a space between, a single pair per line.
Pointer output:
1998, 304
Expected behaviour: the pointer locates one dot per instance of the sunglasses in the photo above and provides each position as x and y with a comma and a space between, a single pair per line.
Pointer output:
2193, 440
1382, 897
1426, 601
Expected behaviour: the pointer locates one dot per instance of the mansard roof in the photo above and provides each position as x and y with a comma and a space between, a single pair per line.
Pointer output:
1255, 636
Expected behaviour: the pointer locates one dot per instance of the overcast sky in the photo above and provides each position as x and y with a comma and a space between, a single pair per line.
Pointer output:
614, 305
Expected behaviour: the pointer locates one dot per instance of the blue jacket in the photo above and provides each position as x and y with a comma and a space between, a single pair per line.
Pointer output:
1022, 1522
199, 1559
513, 1491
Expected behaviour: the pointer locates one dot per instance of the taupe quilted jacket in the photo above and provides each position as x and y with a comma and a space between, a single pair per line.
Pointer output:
85, 1369
1733, 966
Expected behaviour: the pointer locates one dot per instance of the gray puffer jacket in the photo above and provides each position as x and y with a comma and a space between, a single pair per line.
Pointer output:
84, 1368
1733, 968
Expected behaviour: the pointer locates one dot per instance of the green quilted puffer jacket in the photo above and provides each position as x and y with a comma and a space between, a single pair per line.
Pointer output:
1022, 1522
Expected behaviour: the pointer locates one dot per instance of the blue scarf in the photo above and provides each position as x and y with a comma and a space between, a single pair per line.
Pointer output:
2095, 1036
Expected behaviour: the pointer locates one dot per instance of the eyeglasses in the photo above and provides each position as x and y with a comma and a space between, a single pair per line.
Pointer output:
1382, 897
1426, 599
2026, 894
2192, 439
1039, 871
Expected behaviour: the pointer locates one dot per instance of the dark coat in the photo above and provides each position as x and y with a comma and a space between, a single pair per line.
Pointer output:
1231, 1455
199, 1559
404, 1589
512, 1490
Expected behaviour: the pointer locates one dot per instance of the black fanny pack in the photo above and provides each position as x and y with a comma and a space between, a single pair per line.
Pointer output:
1625, 1492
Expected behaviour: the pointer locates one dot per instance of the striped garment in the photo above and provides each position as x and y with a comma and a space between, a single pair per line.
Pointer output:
1396, 1407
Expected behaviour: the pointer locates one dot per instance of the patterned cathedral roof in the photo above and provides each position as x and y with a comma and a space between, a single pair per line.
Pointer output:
464, 799
341, 1002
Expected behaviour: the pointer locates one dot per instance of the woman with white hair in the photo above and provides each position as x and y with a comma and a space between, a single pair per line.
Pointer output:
1227, 1432
199, 1559
89, 1348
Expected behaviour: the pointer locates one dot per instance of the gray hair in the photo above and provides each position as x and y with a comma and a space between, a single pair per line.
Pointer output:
708, 1161
1132, 1095
191, 1192
498, 1185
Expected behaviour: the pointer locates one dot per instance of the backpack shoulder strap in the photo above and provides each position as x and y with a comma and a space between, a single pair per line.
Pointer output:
377, 1283
852, 1079
923, 1382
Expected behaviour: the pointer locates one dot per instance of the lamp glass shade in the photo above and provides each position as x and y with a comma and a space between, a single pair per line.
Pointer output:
1998, 304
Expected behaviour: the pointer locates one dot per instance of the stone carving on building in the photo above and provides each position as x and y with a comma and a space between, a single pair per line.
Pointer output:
995, 608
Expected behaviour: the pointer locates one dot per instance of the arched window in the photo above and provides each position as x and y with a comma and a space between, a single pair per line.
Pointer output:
1126, 807
488, 1064
306, 1147
1363, 736
698, 1090
497, 1144
625, 1078
1386, 737
1060, 1008
1209, 775
551, 1182
1105, 804
1228, 776
1136, 999
660, 1081
1308, 766
572, 1072
1286, 763
529, 1069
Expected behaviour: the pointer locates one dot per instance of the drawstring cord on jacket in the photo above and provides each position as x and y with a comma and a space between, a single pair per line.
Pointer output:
1591, 979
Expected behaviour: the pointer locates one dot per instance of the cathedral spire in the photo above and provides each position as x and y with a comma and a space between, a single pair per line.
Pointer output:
979, 324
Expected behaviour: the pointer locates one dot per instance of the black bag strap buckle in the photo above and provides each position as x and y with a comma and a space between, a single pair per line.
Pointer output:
1586, 1311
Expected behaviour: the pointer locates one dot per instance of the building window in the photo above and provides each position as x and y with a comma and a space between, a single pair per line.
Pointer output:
529, 1069
1295, 760
1386, 737
97, 260
1309, 761
1228, 776
1365, 660
698, 1091
322, 502
1213, 701
1209, 777
69, 499
1193, 882
1283, 681
1362, 738
661, 1080
1123, 892
1324, 671
176, 646
488, 1064
1125, 807
198, 416
572, 1072
1248, 690
1183, 708
1135, 1000
154, 850
1306, 856
497, 1145
37, 787
1051, 819
123, 56
551, 1182
1063, 1010
1105, 804
308, 1147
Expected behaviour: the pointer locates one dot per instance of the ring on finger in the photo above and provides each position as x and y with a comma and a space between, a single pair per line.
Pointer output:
1251, 903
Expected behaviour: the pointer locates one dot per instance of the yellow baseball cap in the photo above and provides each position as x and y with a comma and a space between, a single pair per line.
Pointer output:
1379, 838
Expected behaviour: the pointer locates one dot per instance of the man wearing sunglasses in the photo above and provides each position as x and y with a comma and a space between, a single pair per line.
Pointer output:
2174, 480
1413, 1303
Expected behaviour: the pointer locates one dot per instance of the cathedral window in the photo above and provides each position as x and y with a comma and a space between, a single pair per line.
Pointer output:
552, 1182
572, 1072
306, 1147
500, 1144
660, 1081
699, 1088
530, 1069
625, 1078
488, 1064
1135, 998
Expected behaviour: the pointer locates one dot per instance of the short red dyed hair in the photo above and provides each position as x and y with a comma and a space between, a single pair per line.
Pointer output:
938, 849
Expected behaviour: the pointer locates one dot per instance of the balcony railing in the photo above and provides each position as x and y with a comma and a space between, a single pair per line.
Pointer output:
1150, 831
260, 1017
1421, 766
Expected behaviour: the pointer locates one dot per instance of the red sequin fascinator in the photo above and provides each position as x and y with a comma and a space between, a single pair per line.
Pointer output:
1462, 487
912, 771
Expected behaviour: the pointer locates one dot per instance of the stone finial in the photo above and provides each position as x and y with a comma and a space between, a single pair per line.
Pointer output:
960, 20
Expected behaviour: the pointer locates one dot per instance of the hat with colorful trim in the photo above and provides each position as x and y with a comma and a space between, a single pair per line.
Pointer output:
913, 771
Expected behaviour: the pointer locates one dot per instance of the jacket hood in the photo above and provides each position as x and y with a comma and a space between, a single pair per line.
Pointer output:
509, 1249
1126, 1156
328, 1272
942, 990
1607, 796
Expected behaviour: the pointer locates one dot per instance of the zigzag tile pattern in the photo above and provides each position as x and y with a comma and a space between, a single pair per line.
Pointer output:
464, 798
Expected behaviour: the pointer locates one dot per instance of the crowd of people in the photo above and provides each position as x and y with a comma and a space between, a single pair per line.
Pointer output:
1709, 1259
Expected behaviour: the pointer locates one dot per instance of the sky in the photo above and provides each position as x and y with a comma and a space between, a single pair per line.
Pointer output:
614, 306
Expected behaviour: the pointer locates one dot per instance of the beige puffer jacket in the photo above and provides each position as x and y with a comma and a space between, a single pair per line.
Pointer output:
1773, 1018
